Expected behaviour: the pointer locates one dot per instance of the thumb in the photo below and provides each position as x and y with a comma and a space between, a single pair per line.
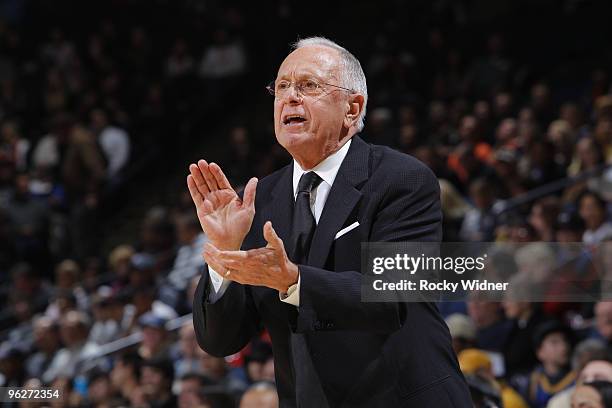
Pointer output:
248, 198
271, 237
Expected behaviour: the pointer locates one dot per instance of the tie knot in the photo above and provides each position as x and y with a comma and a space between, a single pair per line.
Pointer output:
308, 182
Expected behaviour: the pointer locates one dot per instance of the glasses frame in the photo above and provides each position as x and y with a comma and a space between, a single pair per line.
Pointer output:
271, 91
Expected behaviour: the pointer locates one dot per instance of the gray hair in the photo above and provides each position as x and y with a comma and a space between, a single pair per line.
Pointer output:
352, 75
588, 350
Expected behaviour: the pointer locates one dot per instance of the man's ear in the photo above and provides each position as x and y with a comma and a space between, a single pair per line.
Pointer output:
355, 107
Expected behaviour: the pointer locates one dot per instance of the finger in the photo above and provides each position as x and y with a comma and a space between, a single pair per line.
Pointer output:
243, 276
210, 179
232, 255
211, 249
222, 181
243, 254
199, 179
248, 198
197, 198
272, 237
217, 264
256, 261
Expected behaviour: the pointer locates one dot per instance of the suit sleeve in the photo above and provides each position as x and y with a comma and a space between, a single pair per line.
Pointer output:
227, 325
332, 300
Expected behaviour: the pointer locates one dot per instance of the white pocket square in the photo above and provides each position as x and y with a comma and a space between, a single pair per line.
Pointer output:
347, 229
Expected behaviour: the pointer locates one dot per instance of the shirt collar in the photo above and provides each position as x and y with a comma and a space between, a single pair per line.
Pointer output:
327, 169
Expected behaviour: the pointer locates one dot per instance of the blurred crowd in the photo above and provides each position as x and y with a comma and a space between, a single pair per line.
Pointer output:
82, 105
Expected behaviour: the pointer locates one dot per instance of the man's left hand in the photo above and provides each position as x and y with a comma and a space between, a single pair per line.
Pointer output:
268, 266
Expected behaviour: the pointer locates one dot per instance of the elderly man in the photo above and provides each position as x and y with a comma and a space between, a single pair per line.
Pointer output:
285, 255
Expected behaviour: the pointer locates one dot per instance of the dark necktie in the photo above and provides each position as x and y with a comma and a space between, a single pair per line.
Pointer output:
303, 227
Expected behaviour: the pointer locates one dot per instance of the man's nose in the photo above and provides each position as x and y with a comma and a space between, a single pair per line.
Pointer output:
293, 95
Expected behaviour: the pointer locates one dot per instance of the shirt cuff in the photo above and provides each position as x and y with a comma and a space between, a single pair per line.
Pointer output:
293, 294
219, 285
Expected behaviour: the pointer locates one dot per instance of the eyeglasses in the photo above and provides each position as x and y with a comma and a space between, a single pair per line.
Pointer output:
305, 87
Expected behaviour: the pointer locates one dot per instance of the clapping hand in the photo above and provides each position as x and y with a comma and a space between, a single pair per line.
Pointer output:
224, 217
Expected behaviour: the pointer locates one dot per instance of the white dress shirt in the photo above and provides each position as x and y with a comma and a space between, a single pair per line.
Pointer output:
327, 170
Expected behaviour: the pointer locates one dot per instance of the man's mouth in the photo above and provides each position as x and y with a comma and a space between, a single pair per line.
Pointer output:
293, 119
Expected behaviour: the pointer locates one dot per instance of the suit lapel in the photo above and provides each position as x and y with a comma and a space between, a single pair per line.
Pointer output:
279, 209
341, 200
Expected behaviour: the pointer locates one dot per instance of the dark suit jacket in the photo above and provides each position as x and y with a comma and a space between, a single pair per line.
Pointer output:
335, 350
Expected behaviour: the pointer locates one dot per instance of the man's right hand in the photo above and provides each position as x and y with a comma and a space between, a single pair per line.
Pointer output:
225, 218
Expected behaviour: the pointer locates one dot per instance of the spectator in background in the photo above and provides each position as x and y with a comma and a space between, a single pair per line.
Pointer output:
99, 388
125, 375
155, 342
142, 270
26, 284
470, 157
454, 209
84, 168
157, 238
84, 172
477, 362
114, 141
260, 395
553, 375
258, 361
119, 263
538, 165
143, 300
74, 329
12, 370
505, 168
68, 278
479, 222
575, 270
30, 221
23, 311
180, 62
70, 398
240, 161
536, 262
592, 210
32, 384
189, 257
46, 344
217, 370
588, 156
506, 134
58, 51
49, 152
108, 317
13, 148
462, 331
562, 137
191, 391
224, 58
591, 360
222, 64
525, 317
569, 228
184, 352
543, 217
603, 321
491, 328
156, 382
597, 394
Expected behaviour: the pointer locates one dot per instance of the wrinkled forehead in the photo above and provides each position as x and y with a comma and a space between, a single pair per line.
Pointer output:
318, 61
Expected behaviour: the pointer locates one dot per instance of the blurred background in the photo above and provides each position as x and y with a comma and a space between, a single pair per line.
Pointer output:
103, 105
